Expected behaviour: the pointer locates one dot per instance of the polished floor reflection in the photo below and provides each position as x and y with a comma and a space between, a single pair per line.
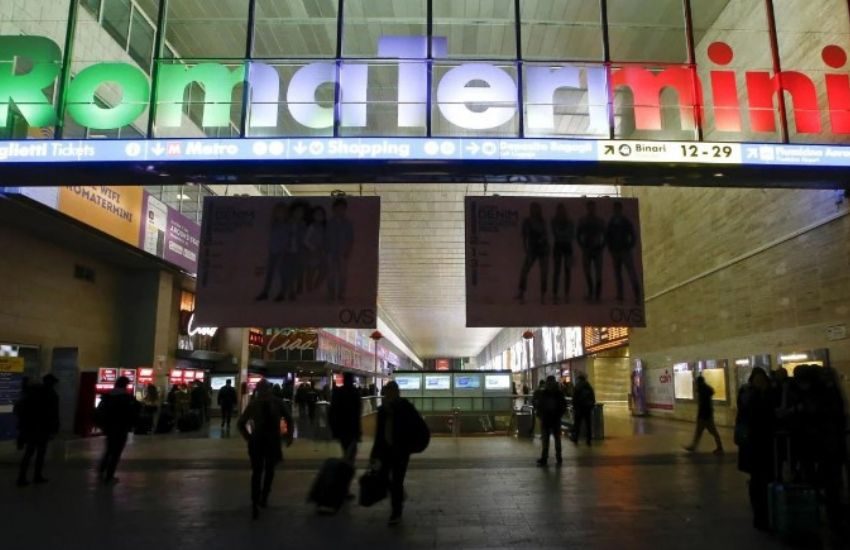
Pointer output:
637, 489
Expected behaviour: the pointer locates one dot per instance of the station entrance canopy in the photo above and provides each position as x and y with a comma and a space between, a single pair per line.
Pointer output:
445, 119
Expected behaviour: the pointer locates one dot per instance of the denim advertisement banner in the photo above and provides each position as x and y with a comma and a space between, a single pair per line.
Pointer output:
553, 262
289, 262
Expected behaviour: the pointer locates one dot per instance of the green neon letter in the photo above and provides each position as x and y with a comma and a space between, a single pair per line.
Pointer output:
217, 81
26, 91
135, 94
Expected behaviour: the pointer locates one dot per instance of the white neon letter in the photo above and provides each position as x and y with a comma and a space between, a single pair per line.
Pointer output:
454, 96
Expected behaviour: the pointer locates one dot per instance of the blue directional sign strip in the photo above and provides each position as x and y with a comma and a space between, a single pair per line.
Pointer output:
420, 149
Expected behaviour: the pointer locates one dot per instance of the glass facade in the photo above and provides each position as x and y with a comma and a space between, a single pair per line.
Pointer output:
718, 70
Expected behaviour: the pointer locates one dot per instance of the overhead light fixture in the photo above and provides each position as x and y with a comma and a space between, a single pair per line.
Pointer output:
794, 357
183, 197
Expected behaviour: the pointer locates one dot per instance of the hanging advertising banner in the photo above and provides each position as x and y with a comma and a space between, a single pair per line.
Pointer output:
659, 389
553, 262
289, 262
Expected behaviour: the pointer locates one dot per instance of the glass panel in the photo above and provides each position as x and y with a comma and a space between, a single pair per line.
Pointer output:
48, 19
731, 38
382, 114
309, 114
638, 32
814, 38
116, 20
564, 30
297, 28
480, 30
205, 30
99, 115
565, 101
141, 41
199, 99
93, 7
366, 21
493, 112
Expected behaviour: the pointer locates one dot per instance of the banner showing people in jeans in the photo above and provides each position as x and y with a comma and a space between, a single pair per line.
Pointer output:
535, 241
539, 238
269, 261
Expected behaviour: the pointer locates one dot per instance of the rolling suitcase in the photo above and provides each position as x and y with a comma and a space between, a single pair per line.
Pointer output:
793, 508
165, 423
189, 422
330, 488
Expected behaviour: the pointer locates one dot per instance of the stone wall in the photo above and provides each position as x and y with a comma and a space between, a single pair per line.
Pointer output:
736, 272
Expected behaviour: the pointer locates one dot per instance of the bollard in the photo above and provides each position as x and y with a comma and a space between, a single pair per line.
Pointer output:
456, 422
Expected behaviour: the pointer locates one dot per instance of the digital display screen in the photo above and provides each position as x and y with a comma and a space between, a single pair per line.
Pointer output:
467, 382
438, 382
218, 382
413, 382
497, 381
716, 378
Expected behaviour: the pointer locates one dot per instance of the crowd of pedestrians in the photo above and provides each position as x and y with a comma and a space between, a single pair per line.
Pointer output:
792, 430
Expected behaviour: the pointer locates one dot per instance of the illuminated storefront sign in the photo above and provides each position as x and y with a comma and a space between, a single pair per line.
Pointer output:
474, 96
598, 339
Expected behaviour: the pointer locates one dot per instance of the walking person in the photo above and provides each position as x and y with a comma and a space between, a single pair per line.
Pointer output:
563, 233
535, 242
400, 432
584, 399
116, 416
259, 424
344, 416
621, 239
38, 420
551, 407
755, 427
227, 402
591, 238
705, 417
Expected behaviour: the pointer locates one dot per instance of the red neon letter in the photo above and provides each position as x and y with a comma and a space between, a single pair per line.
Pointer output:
837, 90
724, 90
646, 87
762, 88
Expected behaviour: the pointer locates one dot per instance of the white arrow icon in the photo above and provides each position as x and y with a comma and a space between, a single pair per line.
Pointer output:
473, 148
158, 149
300, 148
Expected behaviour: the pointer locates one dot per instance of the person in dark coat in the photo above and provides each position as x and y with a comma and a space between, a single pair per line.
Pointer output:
391, 451
227, 401
705, 417
551, 406
116, 416
38, 421
259, 424
344, 416
584, 399
754, 433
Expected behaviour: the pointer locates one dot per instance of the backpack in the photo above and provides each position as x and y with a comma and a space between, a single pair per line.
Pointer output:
549, 406
420, 435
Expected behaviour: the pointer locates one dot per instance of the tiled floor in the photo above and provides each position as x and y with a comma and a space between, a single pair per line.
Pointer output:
635, 490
